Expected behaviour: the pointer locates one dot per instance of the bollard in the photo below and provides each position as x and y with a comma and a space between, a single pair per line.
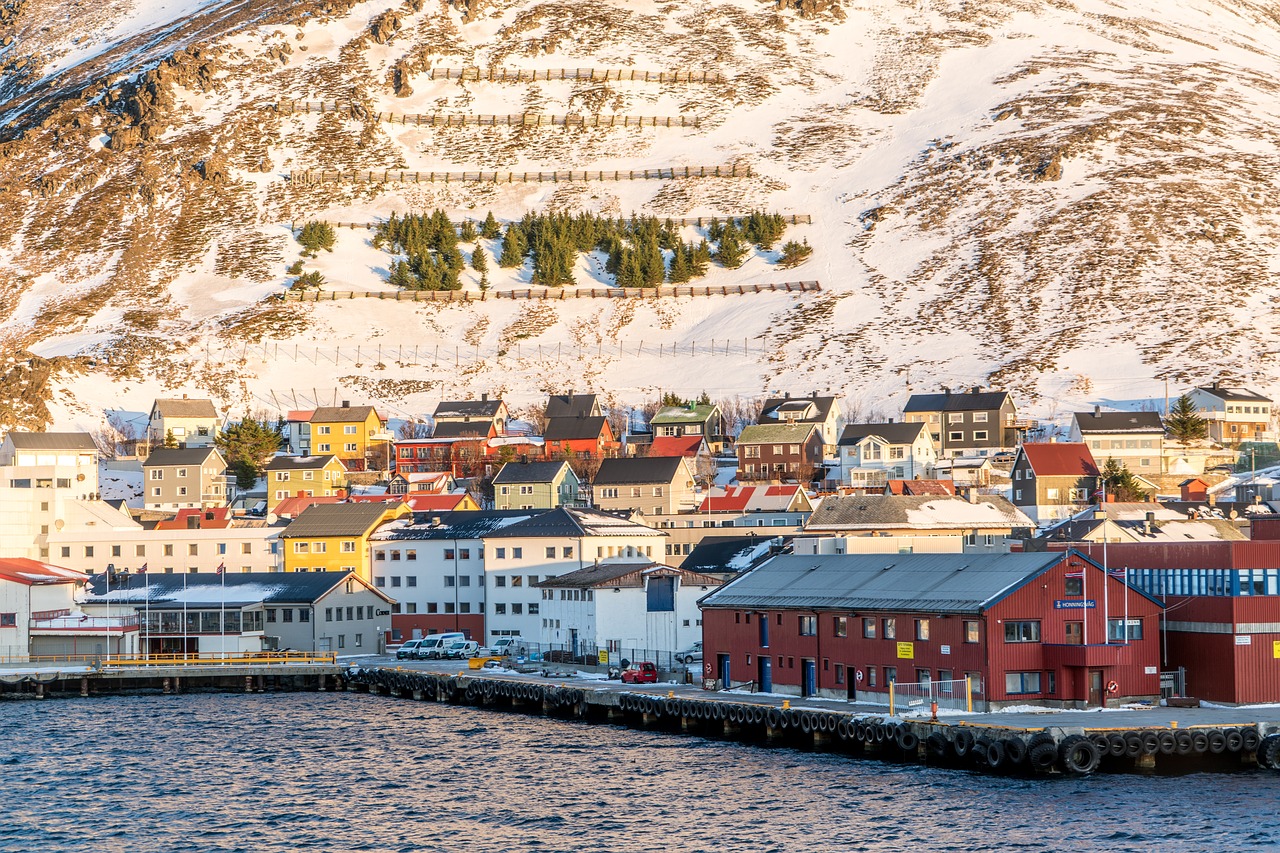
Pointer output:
84, 687
39, 690
933, 710
1173, 724
248, 684
164, 686
786, 704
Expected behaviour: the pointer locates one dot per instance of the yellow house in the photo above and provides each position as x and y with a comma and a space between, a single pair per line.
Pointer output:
335, 537
349, 433
303, 476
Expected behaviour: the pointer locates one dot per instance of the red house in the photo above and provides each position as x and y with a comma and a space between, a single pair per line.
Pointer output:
1041, 629
579, 436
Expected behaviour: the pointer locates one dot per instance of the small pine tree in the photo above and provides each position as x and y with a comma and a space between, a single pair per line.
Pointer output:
479, 259
1120, 482
489, 229
467, 233
402, 276
794, 254
170, 440
513, 248
700, 258
1183, 424
680, 271
248, 446
731, 252
316, 236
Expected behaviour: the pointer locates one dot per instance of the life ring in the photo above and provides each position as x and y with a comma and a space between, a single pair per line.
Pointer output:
706, 667
1112, 687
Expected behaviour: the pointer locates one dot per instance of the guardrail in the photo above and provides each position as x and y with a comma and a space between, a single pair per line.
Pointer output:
486, 120
401, 176
236, 659
596, 75
551, 293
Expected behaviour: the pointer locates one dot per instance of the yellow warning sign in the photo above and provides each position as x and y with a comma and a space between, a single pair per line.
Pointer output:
603, 657
1275, 648
906, 651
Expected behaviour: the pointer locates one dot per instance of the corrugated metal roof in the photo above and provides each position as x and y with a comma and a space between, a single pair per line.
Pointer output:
937, 583
1109, 422
299, 463
967, 401
529, 472
458, 524
1060, 459
569, 522
683, 414
920, 512
167, 456
637, 470
468, 408
344, 519
571, 405
575, 429
776, 407
896, 433
463, 429
208, 588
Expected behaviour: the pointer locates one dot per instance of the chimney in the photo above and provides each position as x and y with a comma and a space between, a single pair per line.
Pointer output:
184, 396
1097, 411
946, 391
346, 404
193, 522
209, 516
1216, 383
485, 397
1146, 525
786, 395
974, 390
890, 420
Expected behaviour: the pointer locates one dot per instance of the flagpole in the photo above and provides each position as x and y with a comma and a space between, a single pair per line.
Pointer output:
146, 611
184, 617
1106, 586
222, 615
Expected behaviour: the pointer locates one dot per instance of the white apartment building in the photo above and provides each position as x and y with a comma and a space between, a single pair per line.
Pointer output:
43, 477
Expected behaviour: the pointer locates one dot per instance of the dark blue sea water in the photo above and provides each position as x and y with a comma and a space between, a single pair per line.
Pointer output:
348, 772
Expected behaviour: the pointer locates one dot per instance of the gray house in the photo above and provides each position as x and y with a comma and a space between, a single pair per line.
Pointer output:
184, 478
972, 423
211, 614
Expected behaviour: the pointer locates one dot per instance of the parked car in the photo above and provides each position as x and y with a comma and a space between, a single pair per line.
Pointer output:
408, 650
1004, 456
461, 649
504, 646
642, 672
432, 646
1221, 469
691, 654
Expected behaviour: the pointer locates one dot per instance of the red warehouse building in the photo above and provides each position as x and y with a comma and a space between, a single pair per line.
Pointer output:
1044, 629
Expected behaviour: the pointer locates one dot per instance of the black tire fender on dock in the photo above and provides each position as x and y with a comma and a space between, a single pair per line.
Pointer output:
1116, 746
1235, 740
908, 741
963, 742
806, 722
1168, 742
1079, 755
843, 730
774, 718
1184, 743
978, 752
1200, 742
1217, 742
1150, 743
1251, 739
936, 745
1043, 756
995, 754
1015, 751
1133, 744
859, 731
671, 707
1269, 752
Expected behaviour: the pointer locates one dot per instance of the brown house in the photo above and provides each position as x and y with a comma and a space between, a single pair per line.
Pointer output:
1053, 481
780, 452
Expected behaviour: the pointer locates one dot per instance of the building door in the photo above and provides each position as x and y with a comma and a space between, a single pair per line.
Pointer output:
1075, 633
1095, 687
808, 677
573, 642
722, 662
764, 673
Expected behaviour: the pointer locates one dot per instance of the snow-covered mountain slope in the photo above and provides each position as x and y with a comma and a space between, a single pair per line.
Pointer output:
1074, 200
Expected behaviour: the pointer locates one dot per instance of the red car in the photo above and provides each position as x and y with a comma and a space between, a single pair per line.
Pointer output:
643, 672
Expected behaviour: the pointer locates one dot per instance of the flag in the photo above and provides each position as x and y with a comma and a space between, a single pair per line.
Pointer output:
222, 567
1078, 574
142, 570
1118, 574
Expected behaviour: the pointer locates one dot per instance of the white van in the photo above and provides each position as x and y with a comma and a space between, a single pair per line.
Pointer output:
433, 645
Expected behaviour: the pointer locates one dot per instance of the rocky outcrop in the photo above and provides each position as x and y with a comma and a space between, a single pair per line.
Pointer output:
384, 27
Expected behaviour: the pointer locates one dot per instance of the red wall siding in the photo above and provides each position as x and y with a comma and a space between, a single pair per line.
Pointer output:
1217, 669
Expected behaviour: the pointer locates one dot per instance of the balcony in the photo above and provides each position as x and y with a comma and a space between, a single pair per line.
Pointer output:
66, 622
1094, 655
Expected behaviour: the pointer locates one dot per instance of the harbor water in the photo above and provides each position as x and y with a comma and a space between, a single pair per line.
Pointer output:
357, 772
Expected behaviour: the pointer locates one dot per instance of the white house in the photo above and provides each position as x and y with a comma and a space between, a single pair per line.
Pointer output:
192, 423
1134, 438
31, 592
638, 611
873, 454
1234, 414
42, 475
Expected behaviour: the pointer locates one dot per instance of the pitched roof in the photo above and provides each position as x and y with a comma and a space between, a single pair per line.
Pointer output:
342, 414
1090, 422
293, 507
683, 414
571, 405
934, 583
959, 402
1060, 459
573, 523
778, 407
52, 441
529, 472
876, 512
34, 573
301, 463
463, 429
676, 445
299, 416
637, 470
185, 408
576, 429
777, 433
619, 574
729, 553
1230, 394
460, 524
338, 519
210, 590
468, 408
167, 456
419, 501
920, 487
891, 433
206, 519
752, 499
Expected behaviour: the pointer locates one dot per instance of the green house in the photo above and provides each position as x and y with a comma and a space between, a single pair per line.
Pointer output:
535, 485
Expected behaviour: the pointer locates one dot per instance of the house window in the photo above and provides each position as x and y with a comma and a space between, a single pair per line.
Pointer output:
1017, 494
1021, 682
500, 553
567, 553
871, 676
839, 673
979, 417
464, 553
980, 435
349, 547
499, 609
1051, 494
551, 552
808, 626
751, 451
450, 554
1073, 586
157, 474
140, 551
609, 492
922, 629
955, 417
869, 628
1025, 631
1079, 495
168, 550
348, 430
1116, 629
971, 630
955, 436
889, 628
517, 553
298, 548
193, 550
350, 447
115, 550
840, 626
891, 675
